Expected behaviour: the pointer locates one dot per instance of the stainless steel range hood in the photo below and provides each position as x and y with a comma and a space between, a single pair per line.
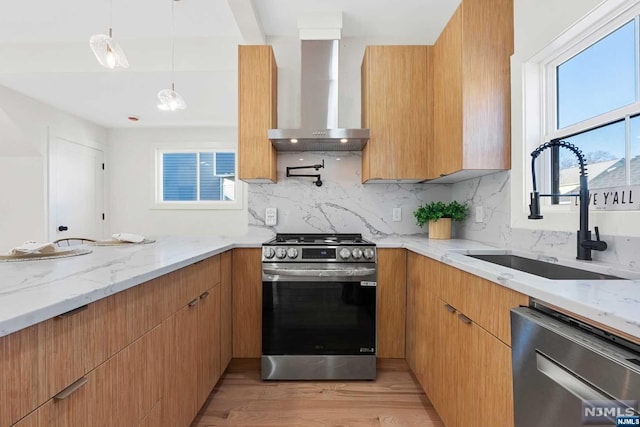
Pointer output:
319, 106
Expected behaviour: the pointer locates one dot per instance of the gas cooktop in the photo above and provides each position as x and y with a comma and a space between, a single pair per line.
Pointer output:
318, 239
310, 247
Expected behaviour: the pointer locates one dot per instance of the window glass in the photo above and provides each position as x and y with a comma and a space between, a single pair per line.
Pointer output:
599, 79
634, 163
179, 180
198, 176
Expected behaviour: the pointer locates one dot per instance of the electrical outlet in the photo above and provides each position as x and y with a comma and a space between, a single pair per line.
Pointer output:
479, 214
271, 216
397, 214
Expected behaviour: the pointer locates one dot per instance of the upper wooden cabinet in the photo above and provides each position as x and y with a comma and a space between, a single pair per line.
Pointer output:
397, 108
257, 113
471, 87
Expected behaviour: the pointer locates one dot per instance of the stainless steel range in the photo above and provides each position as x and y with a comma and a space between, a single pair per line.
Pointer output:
319, 307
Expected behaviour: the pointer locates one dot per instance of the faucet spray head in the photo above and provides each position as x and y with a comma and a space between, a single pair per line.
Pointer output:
534, 206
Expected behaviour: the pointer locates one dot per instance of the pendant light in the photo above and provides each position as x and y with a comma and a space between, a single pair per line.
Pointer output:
170, 100
107, 51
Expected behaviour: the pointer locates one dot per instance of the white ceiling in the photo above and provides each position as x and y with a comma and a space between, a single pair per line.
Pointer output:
44, 50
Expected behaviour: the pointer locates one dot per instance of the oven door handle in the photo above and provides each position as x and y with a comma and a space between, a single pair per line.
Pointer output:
320, 272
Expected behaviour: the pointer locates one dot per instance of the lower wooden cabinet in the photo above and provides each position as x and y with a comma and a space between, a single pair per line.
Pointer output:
247, 302
226, 310
147, 356
460, 357
208, 343
391, 303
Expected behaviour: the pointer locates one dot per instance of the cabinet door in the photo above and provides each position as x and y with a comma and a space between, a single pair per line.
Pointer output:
447, 96
414, 278
257, 113
226, 314
22, 368
186, 364
247, 303
391, 297
397, 86
67, 346
209, 342
484, 375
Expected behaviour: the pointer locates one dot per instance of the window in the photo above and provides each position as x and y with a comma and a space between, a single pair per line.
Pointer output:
201, 178
593, 102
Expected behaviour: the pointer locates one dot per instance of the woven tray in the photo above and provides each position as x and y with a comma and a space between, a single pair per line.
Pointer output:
58, 253
119, 242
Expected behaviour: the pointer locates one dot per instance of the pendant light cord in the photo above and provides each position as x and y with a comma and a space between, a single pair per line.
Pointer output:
110, 17
173, 76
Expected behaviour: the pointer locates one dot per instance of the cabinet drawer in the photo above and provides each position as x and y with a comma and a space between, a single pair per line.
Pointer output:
485, 302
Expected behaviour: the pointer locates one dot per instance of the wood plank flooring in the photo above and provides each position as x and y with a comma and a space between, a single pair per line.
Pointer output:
241, 398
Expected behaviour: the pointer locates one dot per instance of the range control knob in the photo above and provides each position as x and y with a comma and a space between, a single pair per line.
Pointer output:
268, 252
281, 253
345, 253
292, 252
356, 253
369, 253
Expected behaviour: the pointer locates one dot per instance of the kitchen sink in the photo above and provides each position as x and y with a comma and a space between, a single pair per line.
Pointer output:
542, 268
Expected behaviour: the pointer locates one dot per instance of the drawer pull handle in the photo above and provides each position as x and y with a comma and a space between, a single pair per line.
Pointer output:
464, 318
204, 295
71, 389
450, 308
194, 302
72, 312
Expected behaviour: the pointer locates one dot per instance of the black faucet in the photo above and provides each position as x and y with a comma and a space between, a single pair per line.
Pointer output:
584, 245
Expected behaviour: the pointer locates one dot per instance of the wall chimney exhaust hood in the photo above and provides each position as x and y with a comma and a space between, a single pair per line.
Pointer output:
319, 116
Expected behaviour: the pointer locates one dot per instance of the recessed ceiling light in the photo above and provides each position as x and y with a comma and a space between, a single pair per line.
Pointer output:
343, 140
338, 158
133, 118
301, 159
293, 140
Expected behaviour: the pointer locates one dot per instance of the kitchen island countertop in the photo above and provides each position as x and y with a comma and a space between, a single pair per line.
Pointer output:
34, 291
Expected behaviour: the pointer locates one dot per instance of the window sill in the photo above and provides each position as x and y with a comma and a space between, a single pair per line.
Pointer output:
217, 205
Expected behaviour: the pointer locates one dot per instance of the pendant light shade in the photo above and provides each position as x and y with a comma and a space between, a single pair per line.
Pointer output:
170, 100
107, 51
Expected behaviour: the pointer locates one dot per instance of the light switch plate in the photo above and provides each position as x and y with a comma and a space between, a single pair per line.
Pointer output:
271, 216
397, 214
479, 214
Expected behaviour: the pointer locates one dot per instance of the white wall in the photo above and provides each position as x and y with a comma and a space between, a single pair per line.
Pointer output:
26, 126
539, 23
131, 165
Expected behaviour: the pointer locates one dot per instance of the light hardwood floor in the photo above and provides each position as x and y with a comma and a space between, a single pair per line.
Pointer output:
242, 399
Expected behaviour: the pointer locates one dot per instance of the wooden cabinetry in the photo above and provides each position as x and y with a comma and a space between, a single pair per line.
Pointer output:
458, 342
391, 297
257, 113
472, 90
397, 107
247, 303
149, 355
226, 314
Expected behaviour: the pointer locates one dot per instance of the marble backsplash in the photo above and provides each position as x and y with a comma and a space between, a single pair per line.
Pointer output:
492, 193
342, 204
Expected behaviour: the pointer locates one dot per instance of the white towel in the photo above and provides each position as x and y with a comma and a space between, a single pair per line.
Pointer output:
32, 247
128, 237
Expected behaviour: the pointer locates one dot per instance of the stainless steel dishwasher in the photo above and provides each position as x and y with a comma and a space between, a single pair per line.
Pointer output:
569, 374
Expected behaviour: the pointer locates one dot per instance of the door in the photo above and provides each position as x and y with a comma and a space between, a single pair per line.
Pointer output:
76, 190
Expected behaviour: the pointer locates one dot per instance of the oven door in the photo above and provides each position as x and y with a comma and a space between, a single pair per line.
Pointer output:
319, 309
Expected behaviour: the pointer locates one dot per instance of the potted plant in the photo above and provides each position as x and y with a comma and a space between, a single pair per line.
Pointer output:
439, 216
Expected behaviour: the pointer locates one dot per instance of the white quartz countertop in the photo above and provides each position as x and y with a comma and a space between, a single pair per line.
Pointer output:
33, 291
614, 303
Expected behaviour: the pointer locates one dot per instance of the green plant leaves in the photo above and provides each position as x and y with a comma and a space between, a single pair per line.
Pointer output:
433, 211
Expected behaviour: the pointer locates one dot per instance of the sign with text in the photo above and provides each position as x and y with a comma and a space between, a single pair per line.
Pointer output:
625, 198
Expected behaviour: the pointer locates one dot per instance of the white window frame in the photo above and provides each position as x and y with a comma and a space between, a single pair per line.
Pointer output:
158, 203
563, 49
